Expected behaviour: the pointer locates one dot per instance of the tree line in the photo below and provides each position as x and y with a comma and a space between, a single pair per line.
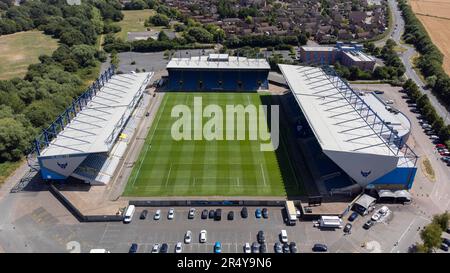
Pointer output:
30, 104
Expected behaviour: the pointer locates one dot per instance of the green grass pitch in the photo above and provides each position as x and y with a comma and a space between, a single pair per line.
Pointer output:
166, 167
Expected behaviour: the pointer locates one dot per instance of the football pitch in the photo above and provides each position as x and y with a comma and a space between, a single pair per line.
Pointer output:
167, 167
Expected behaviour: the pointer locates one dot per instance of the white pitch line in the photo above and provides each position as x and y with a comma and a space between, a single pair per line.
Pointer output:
159, 118
140, 165
168, 175
262, 171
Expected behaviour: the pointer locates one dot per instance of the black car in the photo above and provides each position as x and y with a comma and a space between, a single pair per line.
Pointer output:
133, 248
286, 248
320, 248
348, 228
368, 224
353, 216
278, 248
230, 215
143, 214
261, 238
448, 230
244, 212
255, 247
218, 215
265, 213
263, 248
446, 241
204, 214
444, 247
293, 247
164, 248
211, 214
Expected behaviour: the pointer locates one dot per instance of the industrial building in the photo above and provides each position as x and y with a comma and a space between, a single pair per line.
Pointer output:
218, 72
346, 54
364, 140
85, 142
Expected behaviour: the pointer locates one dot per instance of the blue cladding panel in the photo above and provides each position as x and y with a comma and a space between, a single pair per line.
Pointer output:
217, 80
399, 176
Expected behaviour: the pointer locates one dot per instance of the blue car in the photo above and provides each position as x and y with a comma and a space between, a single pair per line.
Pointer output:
217, 247
353, 216
133, 248
258, 213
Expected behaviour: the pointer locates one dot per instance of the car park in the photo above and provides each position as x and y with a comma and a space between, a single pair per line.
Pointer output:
143, 214
157, 215
204, 214
230, 215
368, 224
286, 248
261, 238
348, 228
320, 248
188, 237
353, 216
258, 213
178, 248
203, 235
293, 247
265, 213
217, 247
164, 248
155, 248
263, 248
171, 214
255, 247
191, 214
247, 248
211, 214
278, 248
244, 212
133, 248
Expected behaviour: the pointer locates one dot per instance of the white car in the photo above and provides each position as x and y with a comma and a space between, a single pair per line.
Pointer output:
171, 214
157, 215
247, 248
376, 216
155, 248
203, 236
383, 210
188, 237
178, 248
389, 102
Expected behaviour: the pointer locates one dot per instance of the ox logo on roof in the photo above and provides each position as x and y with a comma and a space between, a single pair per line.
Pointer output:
62, 165
366, 174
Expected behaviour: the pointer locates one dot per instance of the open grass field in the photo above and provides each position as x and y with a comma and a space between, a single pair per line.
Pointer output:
167, 167
133, 21
435, 16
19, 50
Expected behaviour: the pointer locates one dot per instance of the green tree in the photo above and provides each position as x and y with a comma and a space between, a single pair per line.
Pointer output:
442, 219
431, 236
159, 20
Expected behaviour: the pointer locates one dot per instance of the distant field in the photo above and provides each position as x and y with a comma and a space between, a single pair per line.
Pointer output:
438, 28
167, 167
19, 50
133, 21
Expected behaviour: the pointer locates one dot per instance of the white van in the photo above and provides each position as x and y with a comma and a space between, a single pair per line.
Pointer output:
283, 236
129, 214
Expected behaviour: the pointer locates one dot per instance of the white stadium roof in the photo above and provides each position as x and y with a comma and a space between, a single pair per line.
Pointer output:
96, 126
218, 61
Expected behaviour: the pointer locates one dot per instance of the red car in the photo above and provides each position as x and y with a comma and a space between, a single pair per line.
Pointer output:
440, 146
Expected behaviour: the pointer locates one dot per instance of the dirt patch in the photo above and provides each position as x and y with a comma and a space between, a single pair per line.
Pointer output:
427, 169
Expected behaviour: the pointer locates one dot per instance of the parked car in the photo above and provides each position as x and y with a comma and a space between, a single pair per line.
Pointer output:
278, 248
263, 248
133, 248
265, 213
389, 102
218, 215
320, 248
348, 228
446, 241
188, 237
440, 145
293, 247
171, 214
178, 248
255, 247
383, 210
244, 212
247, 248
353, 216
286, 248
230, 215
211, 214
261, 238
283, 236
378, 92
376, 216
203, 234
155, 248
157, 215
191, 214
143, 214
368, 224
204, 214
258, 213
164, 248
444, 247
217, 247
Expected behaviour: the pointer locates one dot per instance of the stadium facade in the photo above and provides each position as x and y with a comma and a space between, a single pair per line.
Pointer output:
83, 142
218, 72
355, 130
